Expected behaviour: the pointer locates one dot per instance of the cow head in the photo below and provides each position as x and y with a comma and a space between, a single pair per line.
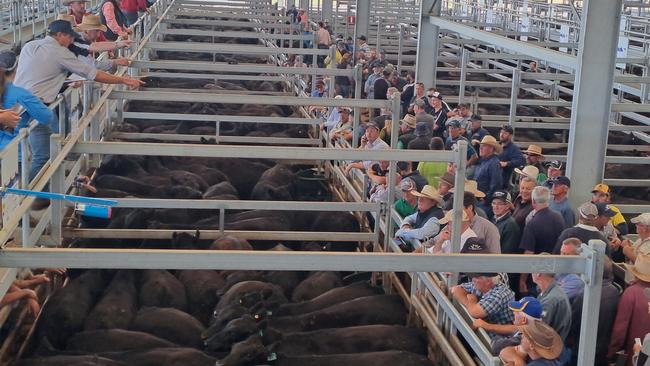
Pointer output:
235, 331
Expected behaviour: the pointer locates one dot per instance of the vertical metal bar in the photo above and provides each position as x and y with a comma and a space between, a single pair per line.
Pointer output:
57, 182
392, 179
332, 83
222, 220
358, 80
61, 108
459, 193
593, 278
378, 43
514, 92
463, 75
400, 47
25, 167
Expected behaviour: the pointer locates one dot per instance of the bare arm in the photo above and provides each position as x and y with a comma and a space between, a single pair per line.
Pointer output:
106, 78
505, 329
512, 356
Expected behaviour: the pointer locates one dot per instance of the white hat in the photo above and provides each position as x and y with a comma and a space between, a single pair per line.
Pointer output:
643, 219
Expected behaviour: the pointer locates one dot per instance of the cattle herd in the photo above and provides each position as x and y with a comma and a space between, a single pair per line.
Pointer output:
209, 317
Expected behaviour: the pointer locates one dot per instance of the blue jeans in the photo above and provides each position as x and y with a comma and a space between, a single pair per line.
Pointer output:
39, 141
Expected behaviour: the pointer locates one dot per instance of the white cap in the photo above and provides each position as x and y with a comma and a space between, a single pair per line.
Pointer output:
643, 219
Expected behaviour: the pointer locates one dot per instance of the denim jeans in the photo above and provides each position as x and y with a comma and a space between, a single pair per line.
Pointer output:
39, 142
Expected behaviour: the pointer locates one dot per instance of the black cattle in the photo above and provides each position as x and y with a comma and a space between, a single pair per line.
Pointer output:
113, 340
378, 309
118, 305
163, 356
235, 331
201, 287
171, 324
315, 285
65, 312
69, 360
365, 338
329, 298
249, 294
159, 288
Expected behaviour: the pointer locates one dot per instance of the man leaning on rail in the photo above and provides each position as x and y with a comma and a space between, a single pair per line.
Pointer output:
42, 69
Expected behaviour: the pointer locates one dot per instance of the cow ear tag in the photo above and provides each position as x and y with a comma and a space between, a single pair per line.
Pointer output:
272, 357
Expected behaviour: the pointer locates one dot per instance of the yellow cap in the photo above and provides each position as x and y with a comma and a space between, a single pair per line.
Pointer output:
602, 188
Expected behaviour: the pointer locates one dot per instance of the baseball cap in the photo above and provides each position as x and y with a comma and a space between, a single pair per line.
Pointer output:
605, 210
588, 210
602, 188
556, 164
61, 26
564, 180
372, 125
503, 196
643, 219
454, 123
476, 117
8, 60
436, 95
529, 306
474, 246
363, 38
407, 185
508, 129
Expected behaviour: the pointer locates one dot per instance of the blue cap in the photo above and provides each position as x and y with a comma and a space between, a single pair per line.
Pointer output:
528, 305
61, 26
605, 210
562, 180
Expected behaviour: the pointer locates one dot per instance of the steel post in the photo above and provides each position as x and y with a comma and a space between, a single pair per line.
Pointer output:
514, 93
358, 81
592, 96
593, 278
362, 18
57, 182
326, 11
427, 49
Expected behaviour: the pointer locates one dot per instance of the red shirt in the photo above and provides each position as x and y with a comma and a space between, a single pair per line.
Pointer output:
132, 6
632, 320
77, 18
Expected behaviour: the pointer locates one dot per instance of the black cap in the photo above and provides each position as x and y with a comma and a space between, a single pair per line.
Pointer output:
508, 129
605, 210
372, 125
454, 123
363, 38
60, 26
502, 196
8, 60
562, 180
476, 117
475, 246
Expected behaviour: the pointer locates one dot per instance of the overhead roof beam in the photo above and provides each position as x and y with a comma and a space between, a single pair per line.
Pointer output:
536, 52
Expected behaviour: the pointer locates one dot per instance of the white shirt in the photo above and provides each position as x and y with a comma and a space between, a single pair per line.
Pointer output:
378, 144
446, 245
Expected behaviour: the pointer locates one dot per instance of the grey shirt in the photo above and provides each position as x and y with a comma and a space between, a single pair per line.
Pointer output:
487, 231
557, 310
43, 66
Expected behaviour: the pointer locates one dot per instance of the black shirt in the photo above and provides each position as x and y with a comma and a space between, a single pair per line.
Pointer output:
381, 88
521, 211
580, 232
542, 231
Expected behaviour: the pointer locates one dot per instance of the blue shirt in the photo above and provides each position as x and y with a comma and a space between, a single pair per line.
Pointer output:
494, 303
34, 109
514, 157
488, 176
564, 208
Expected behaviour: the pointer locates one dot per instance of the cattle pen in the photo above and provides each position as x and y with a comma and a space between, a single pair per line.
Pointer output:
98, 116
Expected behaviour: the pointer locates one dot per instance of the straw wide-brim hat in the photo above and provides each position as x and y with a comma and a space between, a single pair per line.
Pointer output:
534, 150
448, 178
641, 267
68, 18
471, 186
490, 140
429, 192
449, 217
90, 22
409, 120
530, 171
545, 340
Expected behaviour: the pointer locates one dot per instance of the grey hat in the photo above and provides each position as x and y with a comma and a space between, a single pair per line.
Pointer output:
420, 103
8, 60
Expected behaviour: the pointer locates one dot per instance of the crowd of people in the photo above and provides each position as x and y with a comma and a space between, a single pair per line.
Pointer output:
515, 202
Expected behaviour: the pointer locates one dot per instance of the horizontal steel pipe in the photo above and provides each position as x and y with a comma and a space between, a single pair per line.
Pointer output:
238, 68
200, 47
237, 99
217, 77
220, 117
219, 139
288, 261
246, 204
215, 234
235, 34
259, 152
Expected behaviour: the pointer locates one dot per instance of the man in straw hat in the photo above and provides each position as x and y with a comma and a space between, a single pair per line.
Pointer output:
511, 157
540, 346
642, 245
442, 242
424, 223
488, 173
90, 29
632, 316
535, 158
528, 171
